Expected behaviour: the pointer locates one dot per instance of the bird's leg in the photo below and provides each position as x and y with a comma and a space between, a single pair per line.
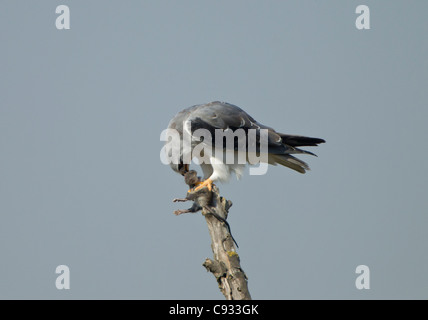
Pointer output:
206, 183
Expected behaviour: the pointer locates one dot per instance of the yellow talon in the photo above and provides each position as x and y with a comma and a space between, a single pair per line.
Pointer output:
207, 183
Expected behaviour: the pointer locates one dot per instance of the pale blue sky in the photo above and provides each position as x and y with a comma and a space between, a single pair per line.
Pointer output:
81, 112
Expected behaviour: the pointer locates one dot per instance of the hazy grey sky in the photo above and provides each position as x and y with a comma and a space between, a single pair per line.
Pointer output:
81, 112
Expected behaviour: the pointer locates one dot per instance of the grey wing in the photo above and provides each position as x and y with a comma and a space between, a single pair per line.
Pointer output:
221, 115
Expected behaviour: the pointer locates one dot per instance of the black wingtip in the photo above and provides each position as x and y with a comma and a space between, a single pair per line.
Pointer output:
301, 141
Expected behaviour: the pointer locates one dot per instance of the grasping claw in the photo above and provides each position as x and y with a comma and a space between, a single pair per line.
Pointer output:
206, 183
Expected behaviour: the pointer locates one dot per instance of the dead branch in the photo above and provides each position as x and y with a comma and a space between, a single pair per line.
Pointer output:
225, 266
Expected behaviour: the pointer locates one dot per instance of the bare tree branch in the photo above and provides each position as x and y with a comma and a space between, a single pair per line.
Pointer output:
225, 266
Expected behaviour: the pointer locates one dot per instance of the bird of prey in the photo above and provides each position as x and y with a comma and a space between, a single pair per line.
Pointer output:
227, 117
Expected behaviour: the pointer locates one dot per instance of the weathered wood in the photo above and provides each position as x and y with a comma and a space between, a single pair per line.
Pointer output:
225, 265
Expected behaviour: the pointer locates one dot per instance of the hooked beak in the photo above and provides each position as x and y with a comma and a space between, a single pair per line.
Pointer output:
183, 169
